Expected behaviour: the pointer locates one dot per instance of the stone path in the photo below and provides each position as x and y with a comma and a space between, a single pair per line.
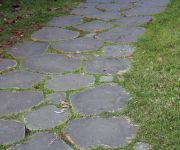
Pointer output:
61, 81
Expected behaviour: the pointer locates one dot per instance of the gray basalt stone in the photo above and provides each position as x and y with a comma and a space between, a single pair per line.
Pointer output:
103, 98
45, 118
141, 146
133, 21
28, 48
122, 34
19, 79
14, 102
65, 21
94, 26
51, 63
85, 44
106, 66
57, 98
69, 82
117, 50
6, 64
85, 11
53, 34
112, 6
88, 132
11, 131
43, 141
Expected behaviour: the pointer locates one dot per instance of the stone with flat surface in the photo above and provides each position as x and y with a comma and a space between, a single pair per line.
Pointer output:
6, 64
57, 98
112, 6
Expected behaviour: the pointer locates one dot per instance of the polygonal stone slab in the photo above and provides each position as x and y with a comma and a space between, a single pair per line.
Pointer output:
103, 98
84, 11
99, 1
28, 48
112, 132
69, 82
11, 131
57, 98
141, 146
51, 63
133, 21
43, 141
6, 64
117, 50
14, 102
103, 65
122, 34
85, 44
154, 3
65, 21
54, 34
112, 6
45, 118
19, 79
94, 26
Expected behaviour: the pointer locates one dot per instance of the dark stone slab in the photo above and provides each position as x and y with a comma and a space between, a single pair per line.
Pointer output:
51, 63
103, 98
14, 102
45, 118
94, 26
6, 64
141, 146
65, 21
103, 65
19, 79
69, 82
84, 11
28, 48
122, 34
117, 50
43, 141
89, 132
85, 44
133, 21
57, 98
11, 131
54, 34
113, 6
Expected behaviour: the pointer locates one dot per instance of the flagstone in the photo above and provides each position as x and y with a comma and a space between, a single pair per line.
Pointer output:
6, 64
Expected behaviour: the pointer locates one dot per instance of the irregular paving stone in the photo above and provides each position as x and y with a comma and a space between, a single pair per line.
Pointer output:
106, 78
141, 146
122, 34
45, 118
117, 50
81, 56
99, 1
11, 131
54, 34
87, 5
51, 63
154, 3
14, 102
88, 132
106, 65
28, 48
112, 6
19, 79
65, 21
85, 44
133, 21
57, 98
69, 82
84, 11
103, 98
94, 26
43, 141
6, 64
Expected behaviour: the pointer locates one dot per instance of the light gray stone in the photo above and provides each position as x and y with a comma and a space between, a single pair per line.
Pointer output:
53, 34
103, 65
45, 118
154, 3
69, 82
94, 26
14, 102
85, 44
6, 64
11, 131
106, 78
117, 50
122, 34
84, 11
141, 146
51, 63
112, 6
43, 141
19, 79
28, 48
57, 98
88, 132
65, 21
103, 98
